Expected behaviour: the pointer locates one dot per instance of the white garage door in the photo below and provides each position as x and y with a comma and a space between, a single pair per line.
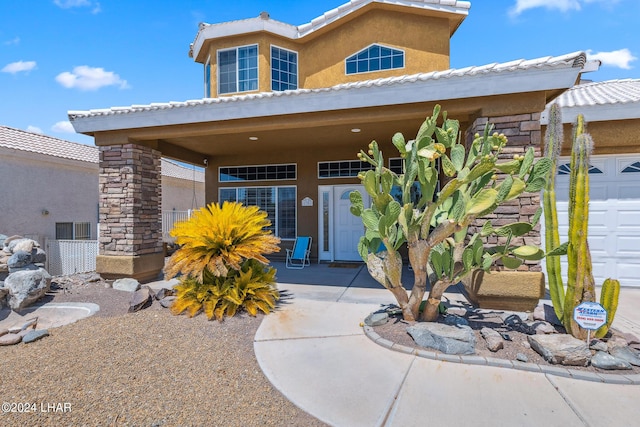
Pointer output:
614, 217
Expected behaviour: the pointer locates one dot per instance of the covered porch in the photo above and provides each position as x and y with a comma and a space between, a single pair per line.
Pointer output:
238, 137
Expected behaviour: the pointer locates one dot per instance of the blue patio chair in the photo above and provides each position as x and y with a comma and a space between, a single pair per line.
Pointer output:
298, 258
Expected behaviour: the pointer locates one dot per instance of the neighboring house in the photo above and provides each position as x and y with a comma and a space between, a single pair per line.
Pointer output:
287, 108
612, 112
49, 187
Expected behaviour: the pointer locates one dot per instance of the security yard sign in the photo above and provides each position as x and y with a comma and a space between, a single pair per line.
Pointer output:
590, 315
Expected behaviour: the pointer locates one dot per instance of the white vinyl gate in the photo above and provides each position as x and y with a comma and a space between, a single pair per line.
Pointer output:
71, 256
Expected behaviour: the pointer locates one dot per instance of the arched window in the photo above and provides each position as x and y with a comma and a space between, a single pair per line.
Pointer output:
374, 58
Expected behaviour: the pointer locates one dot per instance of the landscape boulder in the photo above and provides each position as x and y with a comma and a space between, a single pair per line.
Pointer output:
126, 284
142, 298
561, 349
19, 259
444, 338
493, 339
603, 360
26, 287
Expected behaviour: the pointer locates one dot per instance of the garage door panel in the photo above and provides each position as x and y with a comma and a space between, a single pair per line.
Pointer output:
598, 244
599, 191
629, 246
614, 219
628, 190
629, 219
627, 273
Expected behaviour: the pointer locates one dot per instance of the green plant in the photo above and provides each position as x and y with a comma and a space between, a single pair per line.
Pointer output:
221, 261
435, 224
250, 288
580, 283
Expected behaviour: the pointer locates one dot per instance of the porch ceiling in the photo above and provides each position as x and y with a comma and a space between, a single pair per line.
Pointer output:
295, 132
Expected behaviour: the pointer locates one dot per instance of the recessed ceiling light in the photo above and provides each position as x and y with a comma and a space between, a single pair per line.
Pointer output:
253, 138
355, 130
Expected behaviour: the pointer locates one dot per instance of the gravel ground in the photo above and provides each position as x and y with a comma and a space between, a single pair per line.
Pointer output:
148, 368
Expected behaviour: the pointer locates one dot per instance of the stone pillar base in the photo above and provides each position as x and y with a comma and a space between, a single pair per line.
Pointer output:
141, 267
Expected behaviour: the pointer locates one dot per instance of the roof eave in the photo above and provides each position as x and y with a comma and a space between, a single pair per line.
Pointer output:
597, 113
272, 104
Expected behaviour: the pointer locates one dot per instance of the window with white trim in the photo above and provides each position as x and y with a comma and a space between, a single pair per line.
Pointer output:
342, 168
207, 78
278, 202
374, 58
73, 231
284, 69
238, 69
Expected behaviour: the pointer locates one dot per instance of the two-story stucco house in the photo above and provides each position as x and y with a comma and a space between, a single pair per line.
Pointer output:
286, 108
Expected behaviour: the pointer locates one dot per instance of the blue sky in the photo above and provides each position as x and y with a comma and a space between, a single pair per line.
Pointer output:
61, 55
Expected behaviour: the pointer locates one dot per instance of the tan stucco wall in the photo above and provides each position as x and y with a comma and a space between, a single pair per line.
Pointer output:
31, 182
321, 58
67, 189
307, 178
178, 194
610, 137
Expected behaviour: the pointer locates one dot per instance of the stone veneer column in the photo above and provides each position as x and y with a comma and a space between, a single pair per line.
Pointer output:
130, 216
523, 131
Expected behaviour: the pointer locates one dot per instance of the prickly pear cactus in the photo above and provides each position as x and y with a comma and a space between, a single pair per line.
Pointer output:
435, 225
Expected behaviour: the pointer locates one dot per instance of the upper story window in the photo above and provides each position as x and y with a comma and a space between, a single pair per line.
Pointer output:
207, 78
238, 69
375, 58
284, 69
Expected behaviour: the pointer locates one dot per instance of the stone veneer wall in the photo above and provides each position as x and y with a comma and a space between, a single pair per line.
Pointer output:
523, 131
130, 200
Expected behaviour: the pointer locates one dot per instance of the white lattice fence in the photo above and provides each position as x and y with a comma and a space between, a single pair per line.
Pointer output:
169, 218
71, 256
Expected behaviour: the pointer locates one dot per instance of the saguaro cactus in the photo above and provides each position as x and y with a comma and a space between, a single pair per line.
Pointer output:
435, 224
580, 283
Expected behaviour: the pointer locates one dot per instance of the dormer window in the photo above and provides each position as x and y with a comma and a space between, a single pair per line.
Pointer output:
284, 69
238, 69
375, 58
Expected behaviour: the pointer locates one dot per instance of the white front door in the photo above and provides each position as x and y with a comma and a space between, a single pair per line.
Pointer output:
347, 227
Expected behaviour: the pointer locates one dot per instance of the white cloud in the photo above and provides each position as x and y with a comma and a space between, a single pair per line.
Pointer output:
63, 127
90, 78
68, 4
34, 129
15, 40
561, 5
17, 67
616, 58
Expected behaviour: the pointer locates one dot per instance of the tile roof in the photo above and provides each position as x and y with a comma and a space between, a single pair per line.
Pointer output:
295, 32
600, 101
16, 139
609, 92
575, 60
33, 142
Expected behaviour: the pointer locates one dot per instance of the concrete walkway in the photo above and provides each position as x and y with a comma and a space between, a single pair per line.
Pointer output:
314, 351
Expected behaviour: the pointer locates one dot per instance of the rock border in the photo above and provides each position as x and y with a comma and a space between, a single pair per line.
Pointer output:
502, 363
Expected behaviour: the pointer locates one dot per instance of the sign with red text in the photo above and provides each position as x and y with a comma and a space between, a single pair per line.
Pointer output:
590, 315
